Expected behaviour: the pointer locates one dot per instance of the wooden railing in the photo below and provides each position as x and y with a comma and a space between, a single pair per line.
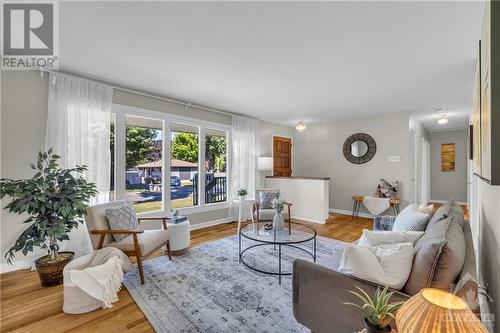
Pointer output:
215, 189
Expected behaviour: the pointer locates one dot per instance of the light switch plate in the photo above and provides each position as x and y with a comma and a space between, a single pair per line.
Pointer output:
394, 158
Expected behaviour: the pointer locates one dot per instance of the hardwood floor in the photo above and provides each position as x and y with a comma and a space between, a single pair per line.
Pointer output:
28, 307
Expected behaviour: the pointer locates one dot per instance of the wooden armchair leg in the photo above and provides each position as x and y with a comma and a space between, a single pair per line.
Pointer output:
138, 256
168, 251
141, 270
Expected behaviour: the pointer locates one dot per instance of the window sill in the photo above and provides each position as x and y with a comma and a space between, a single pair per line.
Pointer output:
188, 210
203, 209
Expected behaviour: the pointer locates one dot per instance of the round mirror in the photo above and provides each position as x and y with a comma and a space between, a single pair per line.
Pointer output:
359, 148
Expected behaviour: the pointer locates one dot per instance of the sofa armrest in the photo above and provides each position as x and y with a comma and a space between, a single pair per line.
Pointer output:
383, 222
319, 294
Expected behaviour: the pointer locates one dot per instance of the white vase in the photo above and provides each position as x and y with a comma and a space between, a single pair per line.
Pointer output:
278, 221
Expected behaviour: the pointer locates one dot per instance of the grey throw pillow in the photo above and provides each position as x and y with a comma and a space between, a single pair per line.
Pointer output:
121, 218
450, 208
441, 213
411, 219
266, 198
439, 257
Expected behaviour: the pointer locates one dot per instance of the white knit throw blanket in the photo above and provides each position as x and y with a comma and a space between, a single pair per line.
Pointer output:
376, 206
101, 278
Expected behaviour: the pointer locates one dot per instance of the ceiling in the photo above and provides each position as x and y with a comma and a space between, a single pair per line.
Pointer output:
281, 61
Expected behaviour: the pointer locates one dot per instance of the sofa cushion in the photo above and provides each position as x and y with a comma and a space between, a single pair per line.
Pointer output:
439, 257
411, 219
449, 208
121, 218
148, 241
374, 238
387, 265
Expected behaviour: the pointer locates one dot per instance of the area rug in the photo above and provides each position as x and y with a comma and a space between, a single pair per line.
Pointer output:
208, 290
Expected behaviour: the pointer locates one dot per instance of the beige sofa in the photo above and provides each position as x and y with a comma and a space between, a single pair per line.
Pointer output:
319, 290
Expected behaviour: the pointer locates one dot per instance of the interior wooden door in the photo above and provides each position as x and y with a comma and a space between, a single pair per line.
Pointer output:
282, 156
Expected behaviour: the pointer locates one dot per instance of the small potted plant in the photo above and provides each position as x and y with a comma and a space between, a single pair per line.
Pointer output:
55, 200
377, 310
242, 193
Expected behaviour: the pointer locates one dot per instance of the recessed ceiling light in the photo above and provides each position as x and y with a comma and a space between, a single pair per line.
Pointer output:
300, 127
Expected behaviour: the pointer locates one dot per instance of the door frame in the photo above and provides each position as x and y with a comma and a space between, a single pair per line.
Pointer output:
272, 149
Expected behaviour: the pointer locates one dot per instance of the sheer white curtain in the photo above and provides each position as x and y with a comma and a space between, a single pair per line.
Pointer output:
244, 141
78, 129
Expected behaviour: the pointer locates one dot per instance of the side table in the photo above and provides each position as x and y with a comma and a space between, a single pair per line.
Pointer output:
179, 235
242, 204
358, 199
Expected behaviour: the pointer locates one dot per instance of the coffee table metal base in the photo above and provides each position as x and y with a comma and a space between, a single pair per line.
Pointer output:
279, 273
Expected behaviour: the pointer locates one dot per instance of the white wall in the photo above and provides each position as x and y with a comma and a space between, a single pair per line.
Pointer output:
485, 222
416, 159
318, 152
265, 144
446, 185
24, 96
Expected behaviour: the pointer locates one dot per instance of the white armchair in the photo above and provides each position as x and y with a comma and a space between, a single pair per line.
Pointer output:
139, 243
267, 214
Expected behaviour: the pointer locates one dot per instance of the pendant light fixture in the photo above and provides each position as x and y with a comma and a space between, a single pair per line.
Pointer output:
300, 127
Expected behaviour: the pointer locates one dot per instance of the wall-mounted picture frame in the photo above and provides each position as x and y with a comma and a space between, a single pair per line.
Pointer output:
448, 157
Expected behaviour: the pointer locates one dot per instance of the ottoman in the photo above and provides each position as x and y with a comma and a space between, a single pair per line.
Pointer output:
179, 235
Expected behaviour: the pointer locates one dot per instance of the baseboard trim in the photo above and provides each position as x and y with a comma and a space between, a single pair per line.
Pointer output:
309, 219
16, 265
431, 201
349, 213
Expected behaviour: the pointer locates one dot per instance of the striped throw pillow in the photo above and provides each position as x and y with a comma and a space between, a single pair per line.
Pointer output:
411, 219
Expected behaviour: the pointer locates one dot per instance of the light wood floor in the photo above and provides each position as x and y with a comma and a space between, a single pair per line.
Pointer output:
27, 307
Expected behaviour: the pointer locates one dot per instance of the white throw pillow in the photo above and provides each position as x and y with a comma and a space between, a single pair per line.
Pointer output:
374, 238
411, 219
387, 265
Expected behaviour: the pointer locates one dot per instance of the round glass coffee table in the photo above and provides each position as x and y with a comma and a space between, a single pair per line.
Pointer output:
292, 236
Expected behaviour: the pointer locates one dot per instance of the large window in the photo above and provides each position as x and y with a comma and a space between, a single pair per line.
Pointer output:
215, 166
144, 162
162, 162
184, 151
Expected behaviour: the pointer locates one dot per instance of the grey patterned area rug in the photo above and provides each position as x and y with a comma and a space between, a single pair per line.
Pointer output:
208, 290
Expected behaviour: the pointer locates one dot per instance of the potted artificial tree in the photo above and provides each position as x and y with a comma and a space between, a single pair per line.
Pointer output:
55, 200
377, 310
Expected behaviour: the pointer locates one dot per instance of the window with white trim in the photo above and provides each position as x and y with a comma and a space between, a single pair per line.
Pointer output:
153, 184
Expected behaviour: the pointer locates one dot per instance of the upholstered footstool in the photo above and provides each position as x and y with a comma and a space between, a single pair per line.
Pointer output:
179, 235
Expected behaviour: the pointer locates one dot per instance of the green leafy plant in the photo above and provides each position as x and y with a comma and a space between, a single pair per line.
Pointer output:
378, 311
242, 192
55, 199
278, 205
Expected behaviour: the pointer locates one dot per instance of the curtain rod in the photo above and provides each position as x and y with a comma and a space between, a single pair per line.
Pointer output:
142, 93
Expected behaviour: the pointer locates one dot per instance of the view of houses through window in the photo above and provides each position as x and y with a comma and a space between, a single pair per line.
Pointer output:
144, 162
184, 151
143, 147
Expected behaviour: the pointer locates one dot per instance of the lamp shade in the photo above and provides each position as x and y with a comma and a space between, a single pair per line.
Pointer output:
265, 163
437, 311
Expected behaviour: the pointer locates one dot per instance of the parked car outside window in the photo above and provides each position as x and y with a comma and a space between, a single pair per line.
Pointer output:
175, 181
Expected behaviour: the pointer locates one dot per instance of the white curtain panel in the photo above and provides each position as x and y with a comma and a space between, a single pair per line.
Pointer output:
244, 142
78, 129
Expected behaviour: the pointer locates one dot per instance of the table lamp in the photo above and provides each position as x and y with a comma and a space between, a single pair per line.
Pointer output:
437, 311
265, 164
